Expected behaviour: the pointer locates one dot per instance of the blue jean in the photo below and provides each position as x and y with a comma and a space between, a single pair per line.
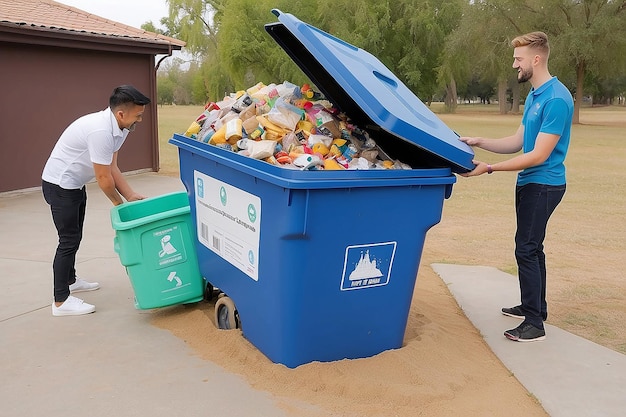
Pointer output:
534, 203
68, 213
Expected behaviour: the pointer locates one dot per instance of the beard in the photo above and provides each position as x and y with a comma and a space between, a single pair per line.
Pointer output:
132, 127
524, 75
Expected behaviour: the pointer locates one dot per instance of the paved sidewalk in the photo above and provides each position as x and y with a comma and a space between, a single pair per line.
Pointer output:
113, 362
569, 375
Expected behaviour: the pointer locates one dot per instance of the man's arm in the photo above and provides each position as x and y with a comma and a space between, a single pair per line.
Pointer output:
121, 184
544, 145
112, 183
106, 182
506, 145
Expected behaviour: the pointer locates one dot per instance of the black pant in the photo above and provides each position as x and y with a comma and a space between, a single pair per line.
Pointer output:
534, 204
68, 213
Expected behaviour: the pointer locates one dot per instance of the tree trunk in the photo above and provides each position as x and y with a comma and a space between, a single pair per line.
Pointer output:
516, 94
502, 86
580, 75
451, 96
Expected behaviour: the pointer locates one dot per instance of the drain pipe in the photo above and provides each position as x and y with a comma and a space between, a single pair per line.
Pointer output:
169, 54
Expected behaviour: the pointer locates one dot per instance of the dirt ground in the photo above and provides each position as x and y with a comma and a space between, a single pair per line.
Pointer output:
445, 367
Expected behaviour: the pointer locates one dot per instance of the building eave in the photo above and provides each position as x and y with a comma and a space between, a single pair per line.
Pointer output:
24, 33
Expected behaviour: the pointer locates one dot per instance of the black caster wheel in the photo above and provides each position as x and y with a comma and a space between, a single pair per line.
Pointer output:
208, 291
226, 316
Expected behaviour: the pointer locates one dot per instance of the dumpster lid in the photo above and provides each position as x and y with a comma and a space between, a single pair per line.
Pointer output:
372, 96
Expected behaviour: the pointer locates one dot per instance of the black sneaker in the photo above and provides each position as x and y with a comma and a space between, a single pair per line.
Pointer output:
525, 332
514, 312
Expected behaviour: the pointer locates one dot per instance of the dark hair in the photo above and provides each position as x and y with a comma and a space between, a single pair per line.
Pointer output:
127, 94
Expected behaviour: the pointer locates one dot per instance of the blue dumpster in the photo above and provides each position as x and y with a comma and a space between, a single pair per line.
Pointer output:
321, 265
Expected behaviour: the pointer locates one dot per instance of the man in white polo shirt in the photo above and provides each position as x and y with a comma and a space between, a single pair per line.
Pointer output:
86, 149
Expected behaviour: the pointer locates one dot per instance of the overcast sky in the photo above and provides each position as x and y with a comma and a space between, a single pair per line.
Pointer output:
130, 12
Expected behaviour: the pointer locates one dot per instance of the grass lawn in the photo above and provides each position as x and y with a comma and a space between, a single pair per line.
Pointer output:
586, 235
173, 119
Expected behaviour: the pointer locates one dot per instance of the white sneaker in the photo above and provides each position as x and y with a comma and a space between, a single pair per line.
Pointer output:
72, 307
82, 285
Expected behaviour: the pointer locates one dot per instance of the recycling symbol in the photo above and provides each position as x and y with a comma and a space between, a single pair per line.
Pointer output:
172, 276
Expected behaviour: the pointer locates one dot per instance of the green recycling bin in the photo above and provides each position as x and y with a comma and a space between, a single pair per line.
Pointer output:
155, 240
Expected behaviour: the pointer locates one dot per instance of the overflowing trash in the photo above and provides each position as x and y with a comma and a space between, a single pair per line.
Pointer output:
290, 126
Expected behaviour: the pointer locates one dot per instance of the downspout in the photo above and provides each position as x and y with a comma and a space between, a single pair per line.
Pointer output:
169, 54
155, 156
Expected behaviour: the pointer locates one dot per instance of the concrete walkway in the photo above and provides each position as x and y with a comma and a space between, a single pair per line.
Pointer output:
113, 362
569, 375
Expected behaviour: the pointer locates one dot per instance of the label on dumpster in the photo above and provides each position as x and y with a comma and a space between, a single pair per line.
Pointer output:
228, 222
367, 266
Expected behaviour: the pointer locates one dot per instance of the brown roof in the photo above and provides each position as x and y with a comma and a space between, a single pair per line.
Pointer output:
50, 15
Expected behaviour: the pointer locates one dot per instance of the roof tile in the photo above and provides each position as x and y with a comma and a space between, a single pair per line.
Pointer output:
53, 15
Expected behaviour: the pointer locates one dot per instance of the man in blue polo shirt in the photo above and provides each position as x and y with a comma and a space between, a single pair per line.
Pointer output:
544, 137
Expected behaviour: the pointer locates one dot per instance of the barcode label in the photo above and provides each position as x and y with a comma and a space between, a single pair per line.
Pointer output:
210, 238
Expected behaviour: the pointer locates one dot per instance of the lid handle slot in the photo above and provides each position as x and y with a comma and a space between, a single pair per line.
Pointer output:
385, 79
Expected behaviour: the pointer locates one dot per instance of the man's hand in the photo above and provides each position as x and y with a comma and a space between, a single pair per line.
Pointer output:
481, 168
135, 197
121, 185
471, 141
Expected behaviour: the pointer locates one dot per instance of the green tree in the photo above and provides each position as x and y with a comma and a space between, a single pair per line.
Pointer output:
165, 89
175, 85
591, 38
479, 48
576, 28
149, 27
248, 53
406, 35
197, 23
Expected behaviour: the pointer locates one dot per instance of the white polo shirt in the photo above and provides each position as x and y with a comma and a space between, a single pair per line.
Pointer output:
91, 139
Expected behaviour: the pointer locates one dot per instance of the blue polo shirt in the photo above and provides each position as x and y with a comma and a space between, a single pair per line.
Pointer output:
548, 109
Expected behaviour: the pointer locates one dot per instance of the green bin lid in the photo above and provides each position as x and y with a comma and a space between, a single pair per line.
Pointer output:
372, 96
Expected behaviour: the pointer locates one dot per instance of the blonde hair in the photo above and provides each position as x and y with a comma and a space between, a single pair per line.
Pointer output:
535, 40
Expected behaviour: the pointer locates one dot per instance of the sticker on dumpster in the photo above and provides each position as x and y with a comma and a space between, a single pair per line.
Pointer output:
367, 266
167, 246
228, 220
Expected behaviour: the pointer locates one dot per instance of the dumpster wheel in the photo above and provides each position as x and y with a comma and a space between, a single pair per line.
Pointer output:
226, 316
208, 291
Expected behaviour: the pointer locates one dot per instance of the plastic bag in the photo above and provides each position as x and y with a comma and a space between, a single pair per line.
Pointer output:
259, 149
324, 122
284, 114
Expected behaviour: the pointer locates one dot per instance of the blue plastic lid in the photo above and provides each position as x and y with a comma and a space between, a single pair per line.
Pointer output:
372, 96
